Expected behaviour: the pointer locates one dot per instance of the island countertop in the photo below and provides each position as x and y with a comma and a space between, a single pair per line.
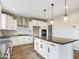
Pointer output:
60, 40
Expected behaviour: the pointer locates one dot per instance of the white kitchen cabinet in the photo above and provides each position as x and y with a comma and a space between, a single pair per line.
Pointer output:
30, 39
45, 49
21, 40
14, 24
44, 25
19, 21
53, 51
35, 44
26, 40
39, 46
7, 22
23, 21
14, 41
36, 23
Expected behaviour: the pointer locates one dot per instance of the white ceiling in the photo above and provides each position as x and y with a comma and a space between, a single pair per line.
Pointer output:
34, 8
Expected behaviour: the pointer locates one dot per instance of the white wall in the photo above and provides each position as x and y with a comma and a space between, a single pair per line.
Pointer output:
65, 29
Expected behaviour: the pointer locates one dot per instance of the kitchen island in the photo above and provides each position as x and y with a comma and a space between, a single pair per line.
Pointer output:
56, 48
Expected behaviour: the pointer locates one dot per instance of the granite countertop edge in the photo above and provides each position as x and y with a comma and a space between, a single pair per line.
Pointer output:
7, 36
58, 42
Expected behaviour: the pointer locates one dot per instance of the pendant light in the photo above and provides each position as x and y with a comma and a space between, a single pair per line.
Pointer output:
45, 16
44, 13
52, 20
66, 15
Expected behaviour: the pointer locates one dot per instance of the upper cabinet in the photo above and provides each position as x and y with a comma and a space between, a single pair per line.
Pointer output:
7, 22
42, 24
37, 23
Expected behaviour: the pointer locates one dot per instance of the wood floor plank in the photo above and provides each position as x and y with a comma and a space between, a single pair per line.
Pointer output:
24, 52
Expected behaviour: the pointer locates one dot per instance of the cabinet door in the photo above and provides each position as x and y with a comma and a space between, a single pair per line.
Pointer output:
14, 24
39, 47
36, 23
45, 49
9, 22
53, 51
19, 21
35, 44
19, 40
30, 39
25, 41
14, 41
23, 21
3, 21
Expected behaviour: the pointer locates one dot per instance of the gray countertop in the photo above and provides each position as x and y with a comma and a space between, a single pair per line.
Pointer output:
7, 36
60, 40
3, 37
4, 41
3, 50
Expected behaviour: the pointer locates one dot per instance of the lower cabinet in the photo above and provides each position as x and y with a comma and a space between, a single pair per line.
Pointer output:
45, 49
35, 44
40, 46
21, 40
14, 41
50, 50
53, 51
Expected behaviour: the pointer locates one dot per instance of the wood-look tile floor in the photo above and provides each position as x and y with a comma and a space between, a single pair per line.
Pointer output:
76, 54
27, 52
24, 52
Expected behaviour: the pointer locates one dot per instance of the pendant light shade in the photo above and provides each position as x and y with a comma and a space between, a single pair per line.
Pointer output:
65, 16
52, 20
44, 13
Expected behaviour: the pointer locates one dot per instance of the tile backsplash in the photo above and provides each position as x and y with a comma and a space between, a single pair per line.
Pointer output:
20, 30
0, 33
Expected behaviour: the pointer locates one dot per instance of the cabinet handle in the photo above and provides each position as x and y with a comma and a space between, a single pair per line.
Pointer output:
41, 41
41, 46
48, 50
36, 43
52, 44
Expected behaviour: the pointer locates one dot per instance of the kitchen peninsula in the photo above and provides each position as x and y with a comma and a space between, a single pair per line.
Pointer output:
57, 48
5, 48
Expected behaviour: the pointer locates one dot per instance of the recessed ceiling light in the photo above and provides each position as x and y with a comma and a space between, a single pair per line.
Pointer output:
34, 14
13, 9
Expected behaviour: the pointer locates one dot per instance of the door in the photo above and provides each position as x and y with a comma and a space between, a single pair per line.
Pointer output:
35, 32
50, 32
